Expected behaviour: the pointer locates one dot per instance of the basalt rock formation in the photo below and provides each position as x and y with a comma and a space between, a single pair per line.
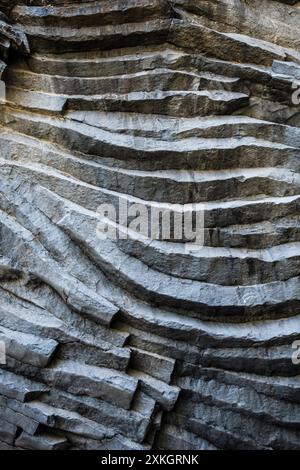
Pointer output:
138, 344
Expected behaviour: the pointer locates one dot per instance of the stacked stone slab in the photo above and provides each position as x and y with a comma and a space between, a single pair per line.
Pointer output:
127, 344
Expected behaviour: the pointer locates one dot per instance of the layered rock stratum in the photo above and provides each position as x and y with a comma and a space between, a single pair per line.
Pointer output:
138, 344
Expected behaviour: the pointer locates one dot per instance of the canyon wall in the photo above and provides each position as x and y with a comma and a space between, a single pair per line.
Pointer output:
128, 342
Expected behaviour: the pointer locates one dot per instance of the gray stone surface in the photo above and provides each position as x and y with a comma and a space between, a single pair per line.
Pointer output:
136, 343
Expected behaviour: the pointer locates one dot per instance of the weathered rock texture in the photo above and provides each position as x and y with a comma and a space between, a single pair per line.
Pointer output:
128, 344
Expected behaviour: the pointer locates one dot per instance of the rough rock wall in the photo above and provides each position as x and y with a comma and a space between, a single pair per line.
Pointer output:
126, 344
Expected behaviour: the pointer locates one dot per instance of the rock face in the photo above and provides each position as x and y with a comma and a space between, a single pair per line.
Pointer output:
128, 343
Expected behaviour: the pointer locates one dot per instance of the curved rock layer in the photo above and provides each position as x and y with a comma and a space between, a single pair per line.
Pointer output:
126, 344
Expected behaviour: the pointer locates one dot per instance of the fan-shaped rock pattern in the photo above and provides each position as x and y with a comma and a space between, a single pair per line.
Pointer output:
127, 344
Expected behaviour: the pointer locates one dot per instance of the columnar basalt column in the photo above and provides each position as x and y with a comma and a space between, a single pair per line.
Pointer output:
125, 342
